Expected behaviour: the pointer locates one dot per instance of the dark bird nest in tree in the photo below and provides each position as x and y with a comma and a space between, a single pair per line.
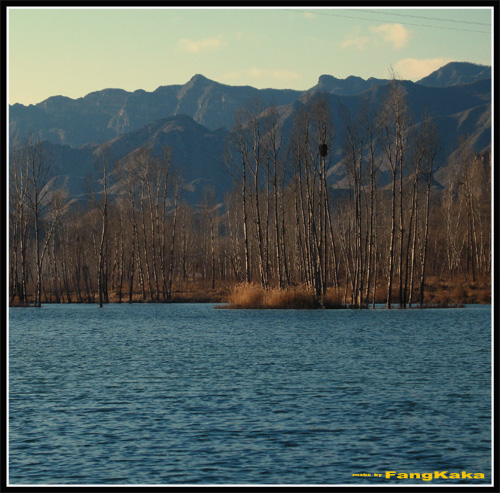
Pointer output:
323, 150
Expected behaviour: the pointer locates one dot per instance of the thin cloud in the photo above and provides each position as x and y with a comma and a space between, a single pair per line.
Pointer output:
396, 34
199, 46
357, 39
359, 42
415, 69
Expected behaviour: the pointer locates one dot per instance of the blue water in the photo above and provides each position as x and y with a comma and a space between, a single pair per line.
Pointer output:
189, 394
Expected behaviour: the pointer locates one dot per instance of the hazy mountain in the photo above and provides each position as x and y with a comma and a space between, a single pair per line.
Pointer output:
345, 87
466, 109
102, 115
198, 152
455, 73
194, 119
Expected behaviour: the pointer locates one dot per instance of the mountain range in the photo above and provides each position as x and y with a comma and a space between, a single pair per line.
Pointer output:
195, 120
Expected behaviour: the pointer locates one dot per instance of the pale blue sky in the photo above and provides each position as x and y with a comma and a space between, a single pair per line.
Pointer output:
72, 52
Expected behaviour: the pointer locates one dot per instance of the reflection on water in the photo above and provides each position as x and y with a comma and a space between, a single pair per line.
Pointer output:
186, 394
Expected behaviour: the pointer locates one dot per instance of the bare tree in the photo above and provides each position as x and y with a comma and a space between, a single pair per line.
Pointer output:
431, 151
209, 211
43, 201
311, 141
240, 173
393, 122
20, 221
177, 182
101, 199
277, 172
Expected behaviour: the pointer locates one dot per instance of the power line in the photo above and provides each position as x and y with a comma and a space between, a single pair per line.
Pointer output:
422, 17
390, 22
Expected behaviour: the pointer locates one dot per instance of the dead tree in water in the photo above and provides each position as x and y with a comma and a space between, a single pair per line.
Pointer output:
429, 164
393, 123
101, 200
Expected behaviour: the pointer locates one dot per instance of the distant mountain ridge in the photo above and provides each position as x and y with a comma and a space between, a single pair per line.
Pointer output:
349, 86
456, 73
103, 115
195, 118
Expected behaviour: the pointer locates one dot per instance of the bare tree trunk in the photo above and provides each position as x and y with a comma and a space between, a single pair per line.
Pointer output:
100, 273
402, 302
172, 243
394, 125
122, 259
393, 232
425, 243
371, 226
245, 229
275, 146
413, 250
145, 246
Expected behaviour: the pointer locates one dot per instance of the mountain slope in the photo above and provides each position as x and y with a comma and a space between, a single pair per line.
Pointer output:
103, 115
194, 119
345, 87
197, 151
456, 73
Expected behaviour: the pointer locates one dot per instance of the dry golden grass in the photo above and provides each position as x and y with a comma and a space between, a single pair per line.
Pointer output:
295, 298
442, 292
247, 296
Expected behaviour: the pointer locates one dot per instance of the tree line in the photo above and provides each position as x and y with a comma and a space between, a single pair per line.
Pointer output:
380, 234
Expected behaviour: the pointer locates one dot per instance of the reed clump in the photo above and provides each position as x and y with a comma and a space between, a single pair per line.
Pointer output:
295, 298
245, 295
250, 295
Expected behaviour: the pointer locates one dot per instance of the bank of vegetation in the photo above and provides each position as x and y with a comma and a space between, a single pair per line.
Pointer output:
281, 238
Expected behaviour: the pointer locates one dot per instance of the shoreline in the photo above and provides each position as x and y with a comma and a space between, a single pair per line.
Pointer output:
438, 294
225, 305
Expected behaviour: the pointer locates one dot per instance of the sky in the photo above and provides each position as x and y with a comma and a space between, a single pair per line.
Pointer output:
74, 51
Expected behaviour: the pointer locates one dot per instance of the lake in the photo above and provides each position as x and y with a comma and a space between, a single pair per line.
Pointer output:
188, 394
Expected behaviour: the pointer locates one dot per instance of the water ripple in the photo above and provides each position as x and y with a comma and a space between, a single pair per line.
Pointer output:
185, 394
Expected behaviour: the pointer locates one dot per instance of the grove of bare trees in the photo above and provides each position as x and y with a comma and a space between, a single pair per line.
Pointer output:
384, 232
